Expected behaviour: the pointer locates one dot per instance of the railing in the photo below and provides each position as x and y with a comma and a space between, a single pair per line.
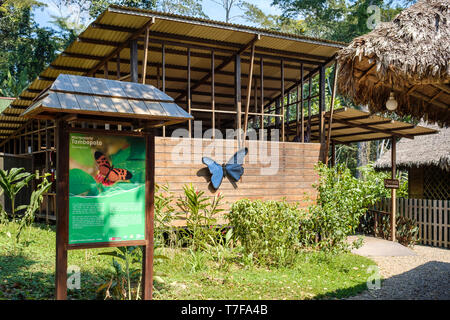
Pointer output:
431, 216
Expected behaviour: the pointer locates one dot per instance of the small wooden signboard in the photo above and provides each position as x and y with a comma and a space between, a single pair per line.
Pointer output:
391, 183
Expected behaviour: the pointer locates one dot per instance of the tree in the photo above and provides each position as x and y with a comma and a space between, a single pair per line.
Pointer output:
255, 15
228, 6
25, 48
338, 20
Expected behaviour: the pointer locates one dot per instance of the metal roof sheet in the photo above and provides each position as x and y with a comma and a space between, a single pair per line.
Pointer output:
351, 125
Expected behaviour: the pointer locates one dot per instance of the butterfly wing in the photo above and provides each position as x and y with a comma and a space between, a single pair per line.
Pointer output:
234, 165
107, 174
216, 171
117, 174
102, 162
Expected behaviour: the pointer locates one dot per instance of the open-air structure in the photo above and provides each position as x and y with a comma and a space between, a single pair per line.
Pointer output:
404, 65
228, 76
409, 57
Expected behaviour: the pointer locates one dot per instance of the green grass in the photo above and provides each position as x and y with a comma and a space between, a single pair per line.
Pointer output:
27, 272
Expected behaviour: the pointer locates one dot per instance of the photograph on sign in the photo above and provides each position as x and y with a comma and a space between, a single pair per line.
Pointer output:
106, 188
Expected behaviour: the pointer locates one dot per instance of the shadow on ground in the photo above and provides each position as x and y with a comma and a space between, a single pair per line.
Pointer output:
430, 281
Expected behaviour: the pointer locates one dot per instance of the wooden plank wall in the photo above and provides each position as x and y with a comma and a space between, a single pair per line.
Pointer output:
292, 177
431, 216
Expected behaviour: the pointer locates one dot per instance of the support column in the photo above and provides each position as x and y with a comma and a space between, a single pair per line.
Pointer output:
147, 259
62, 209
393, 191
321, 102
134, 61
238, 98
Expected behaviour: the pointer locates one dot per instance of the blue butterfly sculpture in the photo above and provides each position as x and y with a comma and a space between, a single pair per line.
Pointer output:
233, 168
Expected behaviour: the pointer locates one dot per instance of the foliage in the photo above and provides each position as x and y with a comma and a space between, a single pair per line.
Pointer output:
267, 230
407, 231
36, 199
337, 19
125, 283
30, 275
12, 181
255, 15
164, 215
21, 41
201, 214
342, 201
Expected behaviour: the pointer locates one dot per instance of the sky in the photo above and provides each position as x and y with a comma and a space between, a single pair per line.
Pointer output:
211, 9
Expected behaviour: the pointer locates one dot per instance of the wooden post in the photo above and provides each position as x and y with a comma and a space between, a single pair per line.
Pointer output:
62, 209
134, 61
249, 89
213, 101
118, 65
147, 260
282, 100
330, 120
261, 83
321, 103
188, 90
238, 98
105, 70
393, 190
145, 59
163, 61
309, 108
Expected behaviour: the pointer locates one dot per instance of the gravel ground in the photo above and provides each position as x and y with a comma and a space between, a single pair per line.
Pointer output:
422, 277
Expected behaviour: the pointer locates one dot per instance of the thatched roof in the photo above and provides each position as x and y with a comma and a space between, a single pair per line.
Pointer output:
410, 55
433, 149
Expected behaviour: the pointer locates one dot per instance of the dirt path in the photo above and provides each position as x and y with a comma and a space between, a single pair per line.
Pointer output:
423, 276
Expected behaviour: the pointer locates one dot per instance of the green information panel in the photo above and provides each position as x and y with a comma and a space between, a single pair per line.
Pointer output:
106, 188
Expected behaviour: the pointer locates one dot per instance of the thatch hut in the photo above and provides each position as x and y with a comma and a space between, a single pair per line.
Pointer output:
427, 160
409, 56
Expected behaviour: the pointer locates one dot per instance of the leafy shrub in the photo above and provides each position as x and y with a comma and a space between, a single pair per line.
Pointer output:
201, 214
267, 230
12, 181
164, 215
342, 200
406, 233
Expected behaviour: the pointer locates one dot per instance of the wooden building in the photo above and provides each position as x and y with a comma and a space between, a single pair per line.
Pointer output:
227, 76
427, 160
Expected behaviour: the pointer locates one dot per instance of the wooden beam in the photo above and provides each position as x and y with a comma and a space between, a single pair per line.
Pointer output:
238, 98
330, 120
223, 64
321, 102
302, 136
249, 88
122, 45
369, 127
134, 72
145, 59
226, 44
282, 101
188, 90
213, 101
261, 80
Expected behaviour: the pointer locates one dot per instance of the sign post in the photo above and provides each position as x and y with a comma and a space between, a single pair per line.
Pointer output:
393, 190
105, 195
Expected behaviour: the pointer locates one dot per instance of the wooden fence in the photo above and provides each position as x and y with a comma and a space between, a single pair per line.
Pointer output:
432, 217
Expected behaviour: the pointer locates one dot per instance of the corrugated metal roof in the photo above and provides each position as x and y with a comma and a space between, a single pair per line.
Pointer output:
351, 125
117, 24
